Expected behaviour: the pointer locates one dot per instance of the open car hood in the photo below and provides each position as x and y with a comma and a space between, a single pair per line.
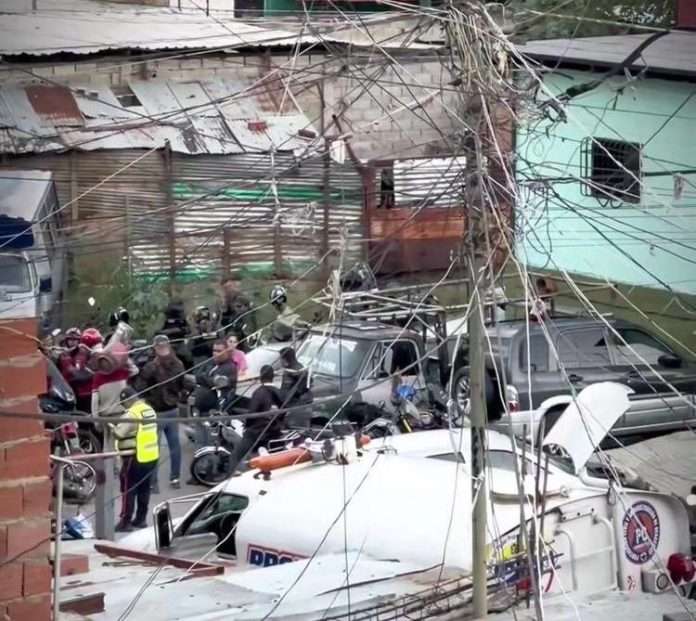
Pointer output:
587, 421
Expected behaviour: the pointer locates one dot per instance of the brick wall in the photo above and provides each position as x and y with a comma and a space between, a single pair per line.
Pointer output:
375, 111
25, 487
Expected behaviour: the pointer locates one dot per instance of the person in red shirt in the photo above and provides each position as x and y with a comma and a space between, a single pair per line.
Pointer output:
73, 365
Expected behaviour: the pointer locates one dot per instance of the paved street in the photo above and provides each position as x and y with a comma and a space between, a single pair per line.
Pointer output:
166, 492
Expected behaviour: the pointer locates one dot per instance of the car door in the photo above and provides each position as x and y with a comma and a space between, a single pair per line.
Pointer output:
534, 362
214, 519
654, 406
584, 354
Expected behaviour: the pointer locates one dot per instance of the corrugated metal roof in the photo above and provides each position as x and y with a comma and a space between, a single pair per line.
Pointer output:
54, 105
99, 102
187, 114
278, 131
88, 28
135, 28
673, 53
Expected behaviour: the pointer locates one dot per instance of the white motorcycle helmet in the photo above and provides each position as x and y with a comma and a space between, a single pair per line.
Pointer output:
279, 295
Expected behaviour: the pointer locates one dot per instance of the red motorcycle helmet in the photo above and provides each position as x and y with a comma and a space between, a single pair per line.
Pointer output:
91, 337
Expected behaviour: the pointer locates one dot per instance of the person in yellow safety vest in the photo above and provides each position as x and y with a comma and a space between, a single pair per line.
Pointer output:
137, 436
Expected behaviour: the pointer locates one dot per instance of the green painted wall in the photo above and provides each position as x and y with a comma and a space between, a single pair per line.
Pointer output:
652, 243
284, 7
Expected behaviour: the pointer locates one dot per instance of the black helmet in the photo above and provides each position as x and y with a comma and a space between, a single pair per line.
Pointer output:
175, 310
278, 295
121, 314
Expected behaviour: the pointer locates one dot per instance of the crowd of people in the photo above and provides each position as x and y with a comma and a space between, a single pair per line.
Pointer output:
146, 397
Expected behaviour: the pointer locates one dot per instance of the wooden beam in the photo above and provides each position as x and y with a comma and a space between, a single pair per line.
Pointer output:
158, 559
84, 604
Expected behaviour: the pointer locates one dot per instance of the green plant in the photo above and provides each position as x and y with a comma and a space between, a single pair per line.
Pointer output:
109, 283
588, 18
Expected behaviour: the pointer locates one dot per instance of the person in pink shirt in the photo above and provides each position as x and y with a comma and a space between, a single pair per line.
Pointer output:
238, 356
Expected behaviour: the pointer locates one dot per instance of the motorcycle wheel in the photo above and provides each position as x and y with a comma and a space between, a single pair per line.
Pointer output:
211, 469
89, 443
79, 483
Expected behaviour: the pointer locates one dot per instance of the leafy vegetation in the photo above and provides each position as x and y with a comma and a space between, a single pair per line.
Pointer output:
145, 301
587, 18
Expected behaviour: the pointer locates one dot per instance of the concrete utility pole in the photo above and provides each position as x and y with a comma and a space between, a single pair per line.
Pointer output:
474, 205
478, 64
467, 63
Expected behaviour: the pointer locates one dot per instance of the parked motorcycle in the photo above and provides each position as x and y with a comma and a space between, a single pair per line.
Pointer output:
60, 399
79, 477
405, 418
211, 464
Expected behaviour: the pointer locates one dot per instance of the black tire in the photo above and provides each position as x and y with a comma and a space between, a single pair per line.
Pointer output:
79, 483
459, 390
89, 442
210, 469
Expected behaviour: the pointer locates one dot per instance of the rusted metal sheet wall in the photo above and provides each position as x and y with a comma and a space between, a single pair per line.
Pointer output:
686, 14
405, 241
415, 213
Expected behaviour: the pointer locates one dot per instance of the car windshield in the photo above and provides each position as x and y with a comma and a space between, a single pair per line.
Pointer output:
332, 356
14, 273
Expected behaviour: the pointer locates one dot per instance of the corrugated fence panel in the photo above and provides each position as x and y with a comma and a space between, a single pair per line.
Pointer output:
272, 208
131, 206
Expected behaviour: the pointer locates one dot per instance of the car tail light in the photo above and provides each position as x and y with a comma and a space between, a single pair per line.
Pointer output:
681, 568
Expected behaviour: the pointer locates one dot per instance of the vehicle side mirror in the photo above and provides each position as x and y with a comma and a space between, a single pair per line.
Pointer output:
669, 361
163, 526
45, 284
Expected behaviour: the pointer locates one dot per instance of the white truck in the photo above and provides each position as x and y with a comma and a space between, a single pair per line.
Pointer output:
32, 250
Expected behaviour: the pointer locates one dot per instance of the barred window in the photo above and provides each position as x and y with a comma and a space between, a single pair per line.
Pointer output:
611, 169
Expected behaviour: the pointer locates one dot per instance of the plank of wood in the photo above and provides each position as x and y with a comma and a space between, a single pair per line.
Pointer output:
84, 604
157, 559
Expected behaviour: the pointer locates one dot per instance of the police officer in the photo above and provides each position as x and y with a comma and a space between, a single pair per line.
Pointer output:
139, 436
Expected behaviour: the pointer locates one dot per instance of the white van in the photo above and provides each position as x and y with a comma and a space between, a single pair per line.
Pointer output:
32, 251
